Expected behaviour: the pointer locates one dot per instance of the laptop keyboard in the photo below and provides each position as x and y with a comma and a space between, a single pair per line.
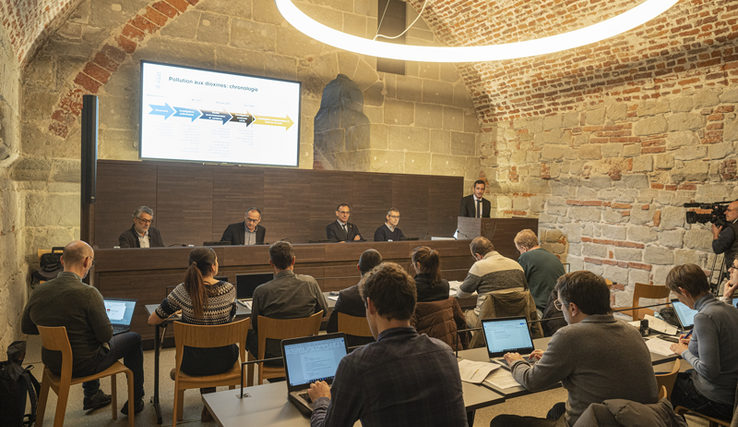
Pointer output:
120, 329
306, 397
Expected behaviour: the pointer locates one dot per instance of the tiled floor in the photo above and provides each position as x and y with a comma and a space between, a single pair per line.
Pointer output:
533, 405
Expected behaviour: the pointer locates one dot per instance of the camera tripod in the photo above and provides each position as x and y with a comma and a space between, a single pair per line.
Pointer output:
722, 273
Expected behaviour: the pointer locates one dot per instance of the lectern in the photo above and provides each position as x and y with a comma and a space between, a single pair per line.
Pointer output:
501, 231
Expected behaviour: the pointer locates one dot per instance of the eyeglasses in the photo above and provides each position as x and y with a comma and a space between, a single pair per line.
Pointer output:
145, 221
733, 268
474, 257
559, 305
394, 216
252, 220
93, 261
344, 212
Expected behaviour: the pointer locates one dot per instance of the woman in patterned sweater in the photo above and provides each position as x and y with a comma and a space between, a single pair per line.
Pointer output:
202, 300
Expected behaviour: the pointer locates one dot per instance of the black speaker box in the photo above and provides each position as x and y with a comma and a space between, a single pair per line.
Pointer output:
89, 148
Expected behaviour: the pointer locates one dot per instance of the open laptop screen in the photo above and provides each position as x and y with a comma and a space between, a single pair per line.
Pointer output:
684, 313
311, 359
510, 334
247, 283
120, 311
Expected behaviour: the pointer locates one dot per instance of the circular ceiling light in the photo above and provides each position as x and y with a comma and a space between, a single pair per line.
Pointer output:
619, 24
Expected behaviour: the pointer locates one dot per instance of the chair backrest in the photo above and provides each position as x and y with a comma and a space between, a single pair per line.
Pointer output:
508, 303
667, 380
282, 329
643, 290
352, 325
55, 338
209, 336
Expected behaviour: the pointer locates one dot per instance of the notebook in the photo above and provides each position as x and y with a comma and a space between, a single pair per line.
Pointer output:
120, 313
684, 313
311, 359
246, 284
505, 335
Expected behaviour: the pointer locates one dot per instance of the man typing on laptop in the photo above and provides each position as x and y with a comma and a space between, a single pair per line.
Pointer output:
595, 357
403, 378
67, 301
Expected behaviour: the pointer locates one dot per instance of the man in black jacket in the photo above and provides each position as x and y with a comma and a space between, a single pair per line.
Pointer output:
474, 205
141, 234
248, 232
341, 230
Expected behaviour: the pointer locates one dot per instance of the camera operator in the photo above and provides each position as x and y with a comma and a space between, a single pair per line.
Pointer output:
725, 238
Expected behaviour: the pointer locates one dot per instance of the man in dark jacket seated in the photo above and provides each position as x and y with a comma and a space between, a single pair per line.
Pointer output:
141, 234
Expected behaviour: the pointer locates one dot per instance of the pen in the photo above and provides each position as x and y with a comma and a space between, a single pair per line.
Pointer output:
688, 334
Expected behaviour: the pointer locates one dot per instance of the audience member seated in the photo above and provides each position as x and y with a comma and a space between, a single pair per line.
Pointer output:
553, 319
349, 300
287, 296
490, 272
141, 234
403, 379
341, 230
67, 301
541, 267
203, 300
428, 281
712, 350
248, 232
389, 231
730, 285
596, 357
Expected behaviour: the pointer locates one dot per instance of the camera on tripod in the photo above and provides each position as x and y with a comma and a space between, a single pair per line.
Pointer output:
716, 216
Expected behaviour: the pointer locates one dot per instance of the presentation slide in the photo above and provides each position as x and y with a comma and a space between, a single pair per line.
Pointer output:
209, 116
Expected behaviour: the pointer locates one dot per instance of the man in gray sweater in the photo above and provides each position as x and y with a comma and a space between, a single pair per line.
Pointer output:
595, 357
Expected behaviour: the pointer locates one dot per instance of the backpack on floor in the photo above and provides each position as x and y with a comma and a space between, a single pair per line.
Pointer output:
50, 266
17, 384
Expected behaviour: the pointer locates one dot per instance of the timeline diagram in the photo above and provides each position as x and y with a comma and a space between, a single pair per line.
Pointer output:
224, 117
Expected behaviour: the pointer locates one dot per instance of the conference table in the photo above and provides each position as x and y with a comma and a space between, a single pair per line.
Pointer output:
160, 330
267, 405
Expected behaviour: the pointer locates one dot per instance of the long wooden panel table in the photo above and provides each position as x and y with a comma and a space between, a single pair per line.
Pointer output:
145, 274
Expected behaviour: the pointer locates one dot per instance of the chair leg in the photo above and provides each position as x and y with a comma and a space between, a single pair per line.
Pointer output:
114, 396
131, 401
180, 409
61, 404
43, 397
250, 372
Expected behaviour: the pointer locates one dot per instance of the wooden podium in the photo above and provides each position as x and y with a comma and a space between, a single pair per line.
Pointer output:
501, 231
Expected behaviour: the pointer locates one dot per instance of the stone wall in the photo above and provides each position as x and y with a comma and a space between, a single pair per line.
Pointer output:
12, 263
422, 122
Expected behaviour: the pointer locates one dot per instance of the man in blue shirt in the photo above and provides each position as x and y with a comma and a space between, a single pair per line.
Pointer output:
404, 378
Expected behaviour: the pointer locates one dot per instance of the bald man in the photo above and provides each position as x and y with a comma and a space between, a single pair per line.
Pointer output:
67, 301
725, 238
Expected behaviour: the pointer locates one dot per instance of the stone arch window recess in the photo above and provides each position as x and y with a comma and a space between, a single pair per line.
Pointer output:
341, 130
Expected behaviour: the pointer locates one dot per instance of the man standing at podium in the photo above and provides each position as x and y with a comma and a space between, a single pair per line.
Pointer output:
474, 205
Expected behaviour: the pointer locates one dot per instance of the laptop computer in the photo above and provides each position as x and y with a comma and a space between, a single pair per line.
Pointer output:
246, 284
684, 313
120, 313
507, 334
311, 359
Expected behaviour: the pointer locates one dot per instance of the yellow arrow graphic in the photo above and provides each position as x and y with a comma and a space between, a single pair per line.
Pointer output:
285, 121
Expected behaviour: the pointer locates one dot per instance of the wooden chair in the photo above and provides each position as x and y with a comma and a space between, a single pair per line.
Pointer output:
643, 290
206, 336
713, 422
352, 325
667, 380
56, 339
280, 329
662, 392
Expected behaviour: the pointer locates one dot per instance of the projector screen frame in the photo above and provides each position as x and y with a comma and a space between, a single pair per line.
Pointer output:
297, 121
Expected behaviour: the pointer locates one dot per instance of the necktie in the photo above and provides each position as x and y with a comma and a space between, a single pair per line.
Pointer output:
345, 230
479, 208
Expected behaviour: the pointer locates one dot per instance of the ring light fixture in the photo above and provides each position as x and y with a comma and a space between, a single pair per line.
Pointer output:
619, 24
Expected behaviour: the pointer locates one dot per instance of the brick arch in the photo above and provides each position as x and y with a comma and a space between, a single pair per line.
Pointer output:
105, 61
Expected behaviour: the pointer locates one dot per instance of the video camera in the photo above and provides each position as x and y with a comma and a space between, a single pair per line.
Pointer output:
717, 216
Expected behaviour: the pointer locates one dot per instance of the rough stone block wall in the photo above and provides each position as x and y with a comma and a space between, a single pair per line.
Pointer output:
12, 261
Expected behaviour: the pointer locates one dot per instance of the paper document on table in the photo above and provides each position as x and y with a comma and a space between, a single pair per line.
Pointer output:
659, 346
475, 372
501, 378
660, 326
333, 297
636, 323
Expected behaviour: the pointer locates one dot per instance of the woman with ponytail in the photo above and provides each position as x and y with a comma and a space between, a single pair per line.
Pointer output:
430, 285
203, 300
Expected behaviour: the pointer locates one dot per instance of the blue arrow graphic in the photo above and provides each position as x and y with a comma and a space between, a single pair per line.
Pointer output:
215, 115
187, 113
161, 110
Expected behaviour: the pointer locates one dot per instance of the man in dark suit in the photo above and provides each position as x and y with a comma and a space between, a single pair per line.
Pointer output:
474, 205
248, 232
341, 230
141, 234
349, 300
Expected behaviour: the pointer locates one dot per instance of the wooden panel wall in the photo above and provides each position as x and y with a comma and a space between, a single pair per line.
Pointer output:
195, 203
